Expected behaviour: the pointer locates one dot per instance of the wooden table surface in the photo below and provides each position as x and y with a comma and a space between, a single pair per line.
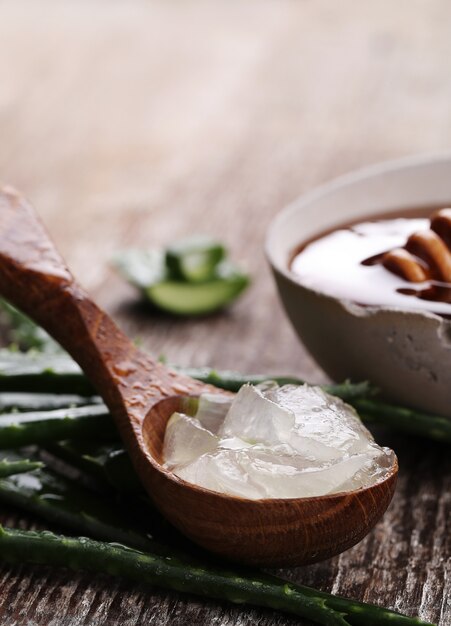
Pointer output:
131, 123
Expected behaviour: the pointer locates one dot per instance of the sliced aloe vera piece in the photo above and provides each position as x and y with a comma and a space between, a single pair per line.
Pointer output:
183, 298
147, 270
194, 259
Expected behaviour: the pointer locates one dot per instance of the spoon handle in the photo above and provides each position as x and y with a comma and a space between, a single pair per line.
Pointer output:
35, 278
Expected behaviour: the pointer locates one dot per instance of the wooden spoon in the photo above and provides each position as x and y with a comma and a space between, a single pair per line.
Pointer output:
142, 394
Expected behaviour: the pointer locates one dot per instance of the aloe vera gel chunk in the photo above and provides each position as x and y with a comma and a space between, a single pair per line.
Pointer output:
275, 442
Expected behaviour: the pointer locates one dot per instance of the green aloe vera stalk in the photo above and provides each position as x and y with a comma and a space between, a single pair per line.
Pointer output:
38, 372
105, 462
233, 381
60, 374
20, 546
23, 402
404, 419
41, 427
21, 466
63, 502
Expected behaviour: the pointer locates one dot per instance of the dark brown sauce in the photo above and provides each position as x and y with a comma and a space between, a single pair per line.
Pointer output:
423, 211
327, 263
376, 259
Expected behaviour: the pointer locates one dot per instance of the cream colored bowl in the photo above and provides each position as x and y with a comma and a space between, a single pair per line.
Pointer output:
407, 354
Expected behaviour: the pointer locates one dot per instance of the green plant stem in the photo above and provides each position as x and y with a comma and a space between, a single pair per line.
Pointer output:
87, 456
42, 372
63, 502
233, 381
87, 422
93, 423
58, 373
19, 546
23, 402
406, 420
106, 462
9, 468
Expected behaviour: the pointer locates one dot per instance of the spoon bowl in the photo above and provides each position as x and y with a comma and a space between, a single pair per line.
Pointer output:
265, 532
142, 394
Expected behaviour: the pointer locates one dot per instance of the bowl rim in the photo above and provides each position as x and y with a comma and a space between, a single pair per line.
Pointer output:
344, 180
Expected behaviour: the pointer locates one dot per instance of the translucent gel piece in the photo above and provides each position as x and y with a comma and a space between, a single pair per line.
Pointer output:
285, 477
255, 418
185, 440
220, 471
325, 426
275, 442
373, 472
234, 443
212, 410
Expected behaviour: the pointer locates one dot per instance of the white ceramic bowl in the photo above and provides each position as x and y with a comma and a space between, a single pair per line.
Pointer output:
407, 354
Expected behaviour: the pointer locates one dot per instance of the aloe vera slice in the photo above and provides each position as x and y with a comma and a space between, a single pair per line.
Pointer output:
182, 298
190, 279
194, 259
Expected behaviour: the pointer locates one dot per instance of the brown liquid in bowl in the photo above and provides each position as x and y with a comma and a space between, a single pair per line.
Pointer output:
347, 262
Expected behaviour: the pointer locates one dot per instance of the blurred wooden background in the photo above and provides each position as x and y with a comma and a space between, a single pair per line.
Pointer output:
131, 123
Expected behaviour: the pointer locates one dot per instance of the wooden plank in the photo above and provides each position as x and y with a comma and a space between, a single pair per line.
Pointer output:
132, 123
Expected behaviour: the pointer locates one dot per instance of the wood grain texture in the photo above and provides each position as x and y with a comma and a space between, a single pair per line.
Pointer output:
134, 122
